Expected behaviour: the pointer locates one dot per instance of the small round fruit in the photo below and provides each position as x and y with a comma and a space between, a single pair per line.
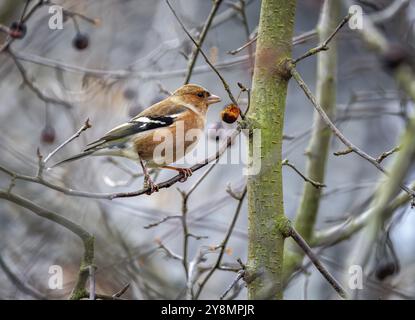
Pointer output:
17, 30
130, 94
394, 56
48, 134
81, 41
230, 113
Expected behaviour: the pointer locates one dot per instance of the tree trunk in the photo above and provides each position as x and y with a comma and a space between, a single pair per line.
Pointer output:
265, 191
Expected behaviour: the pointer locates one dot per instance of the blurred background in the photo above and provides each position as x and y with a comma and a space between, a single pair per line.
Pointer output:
134, 56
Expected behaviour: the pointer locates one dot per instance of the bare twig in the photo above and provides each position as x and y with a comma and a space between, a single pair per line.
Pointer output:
18, 282
186, 232
395, 7
242, 10
194, 272
343, 152
324, 46
336, 131
249, 43
225, 84
199, 181
85, 126
32, 86
25, 16
168, 252
239, 276
91, 282
155, 224
315, 260
110, 196
122, 291
386, 154
316, 184
79, 290
201, 39
223, 244
296, 40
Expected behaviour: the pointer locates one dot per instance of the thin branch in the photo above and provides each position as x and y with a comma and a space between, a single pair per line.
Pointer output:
168, 252
343, 152
223, 244
300, 39
315, 260
316, 184
242, 10
225, 84
87, 238
18, 283
23, 19
185, 234
324, 46
122, 291
32, 86
92, 293
198, 182
203, 33
124, 73
345, 230
110, 196
389, 12
250, 42
194, 272
336, 131
155, 224
238, 277
85, 126
386, 154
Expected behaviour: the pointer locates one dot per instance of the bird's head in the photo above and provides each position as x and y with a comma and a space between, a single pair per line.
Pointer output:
195, 95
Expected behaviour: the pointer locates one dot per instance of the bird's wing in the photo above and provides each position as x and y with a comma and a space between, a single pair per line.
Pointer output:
163, 116
163, 108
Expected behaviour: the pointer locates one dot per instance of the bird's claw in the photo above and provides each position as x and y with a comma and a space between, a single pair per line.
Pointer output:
186, 173
150, 185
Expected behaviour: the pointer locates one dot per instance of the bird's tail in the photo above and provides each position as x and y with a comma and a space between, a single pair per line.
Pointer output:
73, 158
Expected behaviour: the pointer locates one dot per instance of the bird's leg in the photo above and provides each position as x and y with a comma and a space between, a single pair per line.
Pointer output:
148, 182
185, 172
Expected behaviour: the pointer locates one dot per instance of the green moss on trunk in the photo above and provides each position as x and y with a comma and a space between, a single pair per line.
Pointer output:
265, 191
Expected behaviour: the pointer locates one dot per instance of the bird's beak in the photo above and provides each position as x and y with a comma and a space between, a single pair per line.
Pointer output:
213, 99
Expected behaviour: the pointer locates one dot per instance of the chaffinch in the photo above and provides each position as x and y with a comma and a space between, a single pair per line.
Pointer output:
138, 138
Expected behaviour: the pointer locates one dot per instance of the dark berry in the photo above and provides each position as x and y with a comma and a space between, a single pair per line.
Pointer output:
130, 94
230, 113
48, 134
17, 30
394, 56
385, 270
81, 41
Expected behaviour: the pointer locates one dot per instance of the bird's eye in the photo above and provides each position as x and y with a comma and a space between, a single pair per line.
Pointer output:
200, 94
